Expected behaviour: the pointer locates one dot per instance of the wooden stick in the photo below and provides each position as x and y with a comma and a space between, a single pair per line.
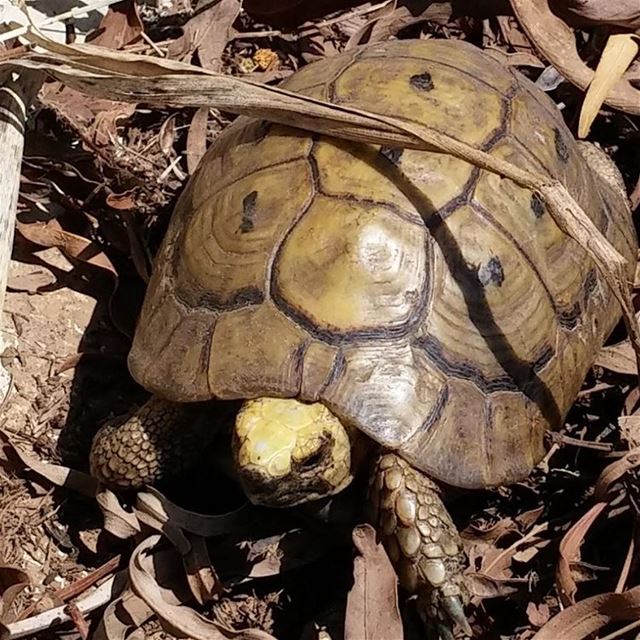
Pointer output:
17, 89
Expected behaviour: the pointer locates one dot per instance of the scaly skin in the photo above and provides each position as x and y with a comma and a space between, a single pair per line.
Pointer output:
160, 439
420, 538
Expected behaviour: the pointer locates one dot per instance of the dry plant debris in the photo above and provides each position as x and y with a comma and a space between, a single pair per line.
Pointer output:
551, 557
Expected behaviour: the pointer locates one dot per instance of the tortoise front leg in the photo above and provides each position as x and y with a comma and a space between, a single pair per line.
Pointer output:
421, 540
159, 440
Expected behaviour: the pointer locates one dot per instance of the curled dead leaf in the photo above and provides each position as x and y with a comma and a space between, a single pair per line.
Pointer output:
123, 616
555, 39
372, 604
117, 521
569, 552
12, 582
612, 473
538, 614
587, 617
157, 511
169, 604
57, 474
197, 138
622, 13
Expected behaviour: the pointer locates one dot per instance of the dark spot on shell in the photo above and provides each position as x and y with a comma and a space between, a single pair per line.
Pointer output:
392, 154
537, 206
561, 146
491, 272
248, 212
422, 81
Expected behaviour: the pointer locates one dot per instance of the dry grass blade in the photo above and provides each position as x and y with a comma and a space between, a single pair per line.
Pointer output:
618, 54
128, 77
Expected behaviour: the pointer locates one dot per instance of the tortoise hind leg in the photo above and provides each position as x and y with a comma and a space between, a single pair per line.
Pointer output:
160, 439
421, 540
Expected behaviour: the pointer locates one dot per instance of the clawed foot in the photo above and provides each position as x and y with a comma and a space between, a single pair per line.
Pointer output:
422, 542
442, 614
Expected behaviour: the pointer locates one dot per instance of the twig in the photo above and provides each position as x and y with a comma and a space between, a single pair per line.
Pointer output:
79, 586
57, 616
78, 620
622, 633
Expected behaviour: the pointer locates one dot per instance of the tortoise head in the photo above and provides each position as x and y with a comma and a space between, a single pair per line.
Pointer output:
288, 452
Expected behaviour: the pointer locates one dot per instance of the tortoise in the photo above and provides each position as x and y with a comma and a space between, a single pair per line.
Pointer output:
359, 297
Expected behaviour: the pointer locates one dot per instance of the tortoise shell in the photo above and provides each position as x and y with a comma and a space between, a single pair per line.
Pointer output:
435, 306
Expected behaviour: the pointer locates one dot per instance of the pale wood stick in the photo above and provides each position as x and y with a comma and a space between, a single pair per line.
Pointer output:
17, 89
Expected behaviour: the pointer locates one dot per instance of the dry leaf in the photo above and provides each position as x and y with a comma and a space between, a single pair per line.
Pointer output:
124, 201
197, 138
207, 33
12, 582
120, 26
620, 358
612, 473
118, 522
485, 587
168, 604
372, 604
630, 430
556, 41
538, 614
203, 580
123, 615
587, 617
569, 552
617, 56
55, 473
157, 511
32, 282
167, 135
51, 234
95, 119
623, 13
